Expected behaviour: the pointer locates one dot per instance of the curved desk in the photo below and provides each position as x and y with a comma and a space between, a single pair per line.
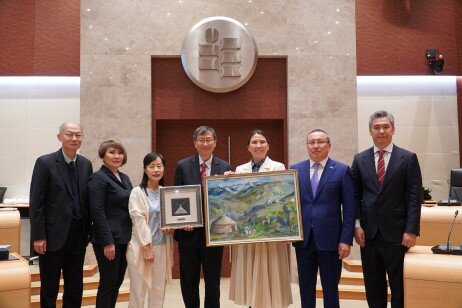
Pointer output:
23, 208
10, 234
14, 282
435, 224
432, 280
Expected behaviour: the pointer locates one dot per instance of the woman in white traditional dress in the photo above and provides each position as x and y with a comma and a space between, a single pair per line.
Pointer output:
150, 251
260, 272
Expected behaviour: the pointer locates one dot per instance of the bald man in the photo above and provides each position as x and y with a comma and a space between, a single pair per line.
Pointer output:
59, 217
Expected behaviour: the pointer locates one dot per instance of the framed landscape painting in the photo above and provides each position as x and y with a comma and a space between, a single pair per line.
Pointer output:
181, 206
252, 208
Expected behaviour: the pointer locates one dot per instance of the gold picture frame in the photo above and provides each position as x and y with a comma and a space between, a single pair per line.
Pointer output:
252, 208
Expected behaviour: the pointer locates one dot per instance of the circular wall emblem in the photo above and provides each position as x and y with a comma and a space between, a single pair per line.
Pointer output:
219, 54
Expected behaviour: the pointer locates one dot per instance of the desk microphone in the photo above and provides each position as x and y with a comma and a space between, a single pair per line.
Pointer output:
449, 249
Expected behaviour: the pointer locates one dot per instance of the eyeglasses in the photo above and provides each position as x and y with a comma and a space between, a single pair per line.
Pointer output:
69, 135
321, 143
205, 141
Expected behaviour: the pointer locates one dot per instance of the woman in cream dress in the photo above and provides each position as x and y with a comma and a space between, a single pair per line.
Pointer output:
260, 272
150, 251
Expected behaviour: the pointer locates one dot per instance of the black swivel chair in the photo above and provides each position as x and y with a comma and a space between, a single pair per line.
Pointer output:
2, 193
455, 185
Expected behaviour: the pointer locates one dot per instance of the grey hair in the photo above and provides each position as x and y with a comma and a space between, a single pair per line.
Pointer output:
202, 130
381, 114
64, 124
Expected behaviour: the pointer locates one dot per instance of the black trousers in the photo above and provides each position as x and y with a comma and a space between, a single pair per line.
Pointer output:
380, 258
191, 258
69, 259
111, 275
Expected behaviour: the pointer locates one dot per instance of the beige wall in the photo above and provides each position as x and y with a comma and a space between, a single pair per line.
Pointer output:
118, 39
31, 110
425, 110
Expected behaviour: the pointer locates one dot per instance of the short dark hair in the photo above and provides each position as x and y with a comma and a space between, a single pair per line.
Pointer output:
146, 161
318, 130
112, 144
202, 130
381, 114
257, 132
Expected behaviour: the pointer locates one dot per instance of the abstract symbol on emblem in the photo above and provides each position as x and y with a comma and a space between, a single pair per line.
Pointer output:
219, 54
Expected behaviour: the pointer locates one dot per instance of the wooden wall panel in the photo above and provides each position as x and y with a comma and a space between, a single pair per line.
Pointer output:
266, 92
458, 27
176, 96
376, 38
57, 38
40, 38
17, 37
392, 36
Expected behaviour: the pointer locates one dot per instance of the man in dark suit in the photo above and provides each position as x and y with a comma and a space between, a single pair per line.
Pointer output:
328, 209
191, 242
59, 217
388, 186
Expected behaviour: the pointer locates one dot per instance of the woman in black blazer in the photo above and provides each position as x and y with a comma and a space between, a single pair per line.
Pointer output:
109, 191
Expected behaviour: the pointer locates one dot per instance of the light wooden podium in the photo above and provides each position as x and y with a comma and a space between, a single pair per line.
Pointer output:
15, 283
432, 280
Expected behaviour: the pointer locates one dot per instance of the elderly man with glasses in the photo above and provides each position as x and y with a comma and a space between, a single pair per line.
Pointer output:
191, 242
59, 217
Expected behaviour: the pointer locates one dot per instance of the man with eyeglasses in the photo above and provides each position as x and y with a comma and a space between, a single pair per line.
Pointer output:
328, 210
59, 217
191, 242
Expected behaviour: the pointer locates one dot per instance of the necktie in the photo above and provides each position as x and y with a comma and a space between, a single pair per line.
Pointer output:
380, 167
315, 178
203, 171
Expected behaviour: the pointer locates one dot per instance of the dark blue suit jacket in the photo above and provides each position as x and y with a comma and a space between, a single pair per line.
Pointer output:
51, 199
109, 207
394, 207
188, 173
331, 212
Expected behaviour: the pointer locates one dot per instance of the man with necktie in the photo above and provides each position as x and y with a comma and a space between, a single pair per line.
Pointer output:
388, 188
328, 214
191, 242
59, 217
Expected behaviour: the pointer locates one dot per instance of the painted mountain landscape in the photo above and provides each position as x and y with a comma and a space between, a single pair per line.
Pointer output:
253, 208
